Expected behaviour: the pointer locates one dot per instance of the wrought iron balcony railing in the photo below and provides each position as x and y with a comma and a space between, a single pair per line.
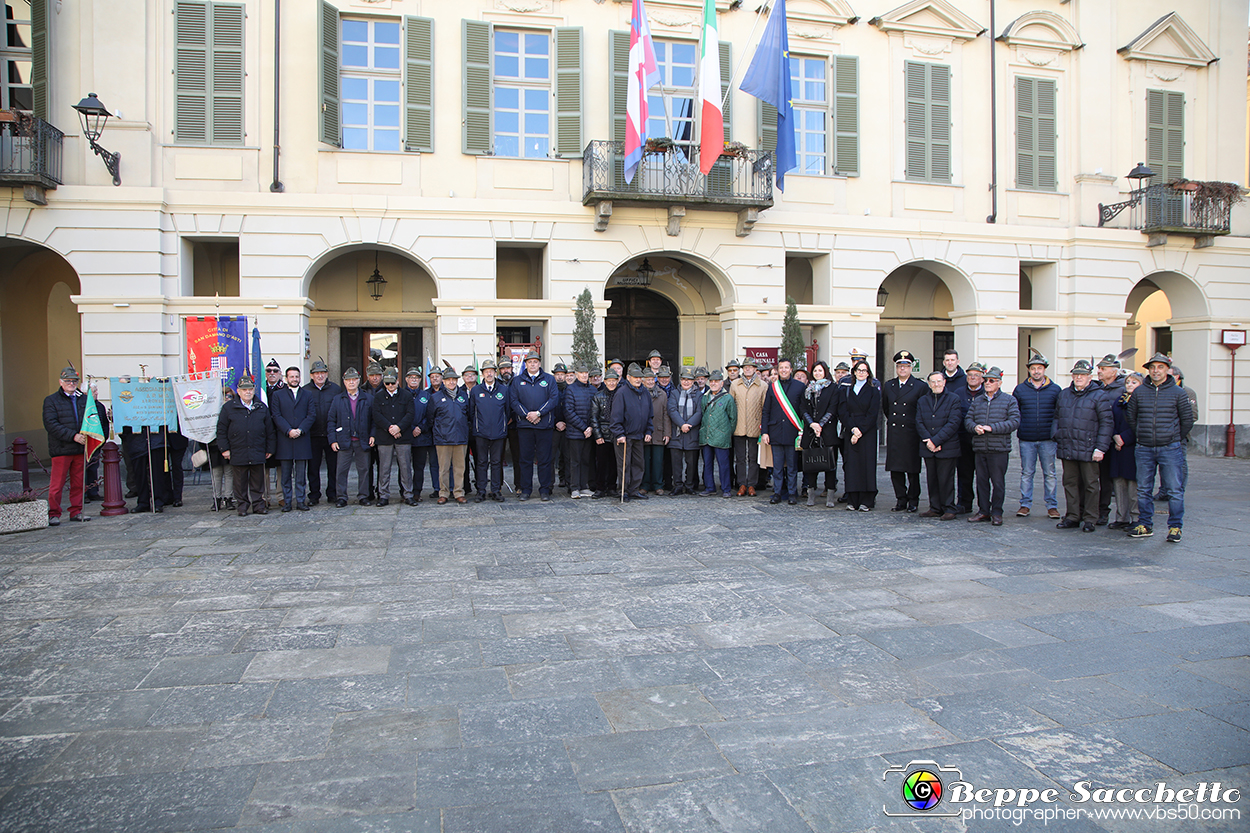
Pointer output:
1195, 209
667, 178
30, 154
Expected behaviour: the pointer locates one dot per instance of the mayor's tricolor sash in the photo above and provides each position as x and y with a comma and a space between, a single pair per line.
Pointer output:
788, 410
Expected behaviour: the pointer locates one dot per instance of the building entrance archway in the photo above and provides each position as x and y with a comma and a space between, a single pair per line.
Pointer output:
638, 322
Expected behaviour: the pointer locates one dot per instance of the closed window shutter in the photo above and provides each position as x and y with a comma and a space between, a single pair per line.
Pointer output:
1165, 134
917, 96
328, 80
568, 92
191, 72
39, 56
726, 78
477, 87
928, 94
1047, 137
768, 127
1026, 133
619, 91
226, 101
419, 84
846, 115
939, 123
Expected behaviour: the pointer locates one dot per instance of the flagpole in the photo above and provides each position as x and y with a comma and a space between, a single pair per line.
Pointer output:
759, 13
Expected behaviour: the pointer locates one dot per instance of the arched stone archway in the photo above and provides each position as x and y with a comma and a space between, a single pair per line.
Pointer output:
347, 323
919, 298
695, 294
40, 332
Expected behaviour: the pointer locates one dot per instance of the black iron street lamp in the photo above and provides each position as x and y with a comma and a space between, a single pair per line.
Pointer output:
377, 283
94, 116
645, 272
1136, 176
883, 295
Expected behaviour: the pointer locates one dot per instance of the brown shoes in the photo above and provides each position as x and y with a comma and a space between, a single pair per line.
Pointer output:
996, 520
751, 491
742, 490
441, 501
978, 518
1053, 513
461, 500
1022, 512
949, 516
929, 513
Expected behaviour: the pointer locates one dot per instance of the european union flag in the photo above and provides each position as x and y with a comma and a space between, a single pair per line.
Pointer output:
768, 79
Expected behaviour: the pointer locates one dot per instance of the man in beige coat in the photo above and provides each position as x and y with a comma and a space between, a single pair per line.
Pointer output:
748, 392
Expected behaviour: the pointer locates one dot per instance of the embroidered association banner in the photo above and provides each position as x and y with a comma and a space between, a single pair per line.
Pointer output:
139, 405
198, 399
217, 343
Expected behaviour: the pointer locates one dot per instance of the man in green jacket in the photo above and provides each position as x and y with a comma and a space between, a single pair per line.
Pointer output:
716, 433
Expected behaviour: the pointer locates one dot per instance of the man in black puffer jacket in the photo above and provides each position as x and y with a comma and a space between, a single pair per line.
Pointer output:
991, 420
62, 419
601, 425
1082, 437
1160, 414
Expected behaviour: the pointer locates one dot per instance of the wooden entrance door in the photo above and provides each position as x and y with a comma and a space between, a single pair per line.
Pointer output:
638, 322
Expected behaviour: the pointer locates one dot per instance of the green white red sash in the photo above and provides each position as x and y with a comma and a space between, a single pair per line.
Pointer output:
786, 407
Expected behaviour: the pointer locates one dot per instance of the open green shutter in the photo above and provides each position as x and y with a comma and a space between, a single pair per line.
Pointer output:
1026, 133
618, 42
191, 67
1047, 136
568, 92
726, 79
939, 123
916, 81
39, 56
418, 84
846, 115
226, 74
768, 127
328, 72
477, 87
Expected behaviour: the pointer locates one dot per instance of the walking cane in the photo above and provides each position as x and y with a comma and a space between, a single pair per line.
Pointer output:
624, 463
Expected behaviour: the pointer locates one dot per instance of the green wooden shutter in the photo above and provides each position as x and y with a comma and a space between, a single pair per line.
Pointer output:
726, 79
419, 84
768, 127
917, 96
619, 45
191, 72
845, 138
1035, 134
1165, 133
39, 56
568, 92
226, 76
939, 123
477, 87
329, 128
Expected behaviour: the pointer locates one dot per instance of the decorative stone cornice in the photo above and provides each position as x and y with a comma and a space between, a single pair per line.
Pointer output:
933, 18
1169, 40
1043, 30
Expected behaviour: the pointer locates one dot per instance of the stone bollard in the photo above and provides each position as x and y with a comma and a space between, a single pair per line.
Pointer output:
114, 504
21, 461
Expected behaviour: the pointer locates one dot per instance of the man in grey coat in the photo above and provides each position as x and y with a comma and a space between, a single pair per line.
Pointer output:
993, 416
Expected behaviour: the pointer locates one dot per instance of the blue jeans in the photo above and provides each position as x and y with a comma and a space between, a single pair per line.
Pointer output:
1030, 453
719, 456
1170, 460
785, 470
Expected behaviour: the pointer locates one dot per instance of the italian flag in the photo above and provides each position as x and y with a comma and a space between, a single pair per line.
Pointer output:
711, 121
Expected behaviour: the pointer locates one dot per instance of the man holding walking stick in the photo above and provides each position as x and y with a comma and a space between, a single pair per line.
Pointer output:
631, 427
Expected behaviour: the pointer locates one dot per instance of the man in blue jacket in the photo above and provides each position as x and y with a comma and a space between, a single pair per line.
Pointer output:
349, 426
578, 395
780, 427
392, 425
1036, 397
535, 405
450, 421
293, 413
631, 427
488, 425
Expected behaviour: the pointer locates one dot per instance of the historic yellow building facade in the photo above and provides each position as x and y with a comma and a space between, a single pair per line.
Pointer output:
952, 169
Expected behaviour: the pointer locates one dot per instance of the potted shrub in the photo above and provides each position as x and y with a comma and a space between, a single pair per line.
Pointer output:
22, 511
734, 149
660, 144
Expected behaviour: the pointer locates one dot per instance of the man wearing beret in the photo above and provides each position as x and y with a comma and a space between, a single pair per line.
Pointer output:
62, 419
245, 436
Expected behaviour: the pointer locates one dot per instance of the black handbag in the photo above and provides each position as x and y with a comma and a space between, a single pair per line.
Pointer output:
817, 459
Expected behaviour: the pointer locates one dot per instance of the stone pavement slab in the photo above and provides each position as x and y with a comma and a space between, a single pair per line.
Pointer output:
683, 664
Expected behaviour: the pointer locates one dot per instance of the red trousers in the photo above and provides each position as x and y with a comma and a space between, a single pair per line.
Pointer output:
67, 466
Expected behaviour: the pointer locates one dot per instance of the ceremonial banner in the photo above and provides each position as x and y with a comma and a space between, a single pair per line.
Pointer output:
217, 343
141, 405
198, 399
91, 427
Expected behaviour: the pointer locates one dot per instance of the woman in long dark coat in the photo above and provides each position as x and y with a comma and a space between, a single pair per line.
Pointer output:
820, 412
859, 408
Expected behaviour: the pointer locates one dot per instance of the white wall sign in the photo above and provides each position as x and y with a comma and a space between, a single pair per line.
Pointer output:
468, 325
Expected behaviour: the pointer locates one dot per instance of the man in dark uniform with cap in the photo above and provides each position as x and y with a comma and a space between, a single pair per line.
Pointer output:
899, 398
62, 419
322, 392
535, 405
489, 410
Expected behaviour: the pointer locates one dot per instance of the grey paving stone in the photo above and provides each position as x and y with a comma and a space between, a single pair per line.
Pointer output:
1077, 702
635, 759
661, 707
1238, 714
458, 777
54, 714
263, 640
122, 752
192, 671
1203, 642
909, 643
860, 685
485, 685
982, 714
562, 679
22, 758
1176, 687
1233, 672
380, 633
1087, 753
409, 730
751, 661
1218, 611
732, 804
262, 740
663, 669
532, 720
478, 627
571, 622
614, 644
438, 656
1090, 657
205, 704
552, 814
1187, 741
330, 787
316, 662
747, 697
193, 800
978, 671
338, 694
525, 650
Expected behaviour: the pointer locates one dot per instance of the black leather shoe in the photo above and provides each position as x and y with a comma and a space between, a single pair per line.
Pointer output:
412, 501
1067, 524
912, 507
523, 497
544, 497
364, 501
792, 501
286, 507
1088, 527
341, 502
383, 502
497, 497
626, 499
775, 499
176, 503
303, 507
313, 501
638, 496
481, 498
1102, 520
901, 506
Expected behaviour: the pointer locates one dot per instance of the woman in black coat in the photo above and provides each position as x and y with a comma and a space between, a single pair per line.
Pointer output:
246, 438
859, 408
820, 415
